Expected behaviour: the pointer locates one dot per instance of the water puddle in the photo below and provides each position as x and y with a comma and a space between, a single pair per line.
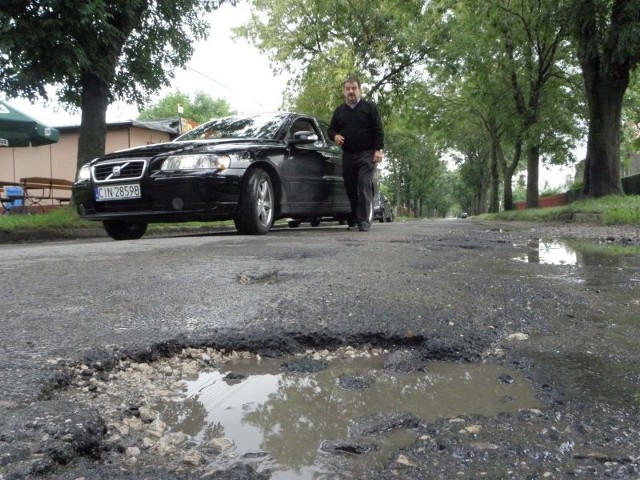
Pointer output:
548, 253
579, 254
254, 412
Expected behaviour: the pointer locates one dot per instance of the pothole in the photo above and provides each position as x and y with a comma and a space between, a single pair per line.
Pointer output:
208, 410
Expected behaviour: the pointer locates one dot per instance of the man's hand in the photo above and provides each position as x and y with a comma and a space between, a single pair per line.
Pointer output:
377, 156
339, 139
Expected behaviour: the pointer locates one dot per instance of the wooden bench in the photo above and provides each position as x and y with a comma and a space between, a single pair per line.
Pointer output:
38, 189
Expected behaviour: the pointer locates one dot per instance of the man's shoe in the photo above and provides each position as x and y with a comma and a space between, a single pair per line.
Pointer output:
351, 226
363, 227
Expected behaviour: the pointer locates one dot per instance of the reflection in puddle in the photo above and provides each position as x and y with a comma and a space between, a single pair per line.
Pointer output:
582, 254
279, 420
549, 253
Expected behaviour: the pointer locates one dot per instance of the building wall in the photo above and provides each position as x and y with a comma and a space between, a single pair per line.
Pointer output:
634, 164
59, 159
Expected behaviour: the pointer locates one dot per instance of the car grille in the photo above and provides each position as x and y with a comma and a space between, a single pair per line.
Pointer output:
118, 170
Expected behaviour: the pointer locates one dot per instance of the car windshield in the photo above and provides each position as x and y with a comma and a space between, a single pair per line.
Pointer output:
256, 126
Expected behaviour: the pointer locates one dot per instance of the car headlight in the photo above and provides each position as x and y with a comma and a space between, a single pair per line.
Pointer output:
84, 173
193, 162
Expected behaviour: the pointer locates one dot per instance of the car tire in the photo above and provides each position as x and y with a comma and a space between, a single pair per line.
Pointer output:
124, 230
293, 223
390, 218
256, 207
315, 222
370, 212
382, 214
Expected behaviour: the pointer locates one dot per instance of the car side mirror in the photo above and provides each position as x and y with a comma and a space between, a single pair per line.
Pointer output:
303, 137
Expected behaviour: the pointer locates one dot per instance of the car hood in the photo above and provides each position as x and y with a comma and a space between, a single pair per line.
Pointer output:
213, 146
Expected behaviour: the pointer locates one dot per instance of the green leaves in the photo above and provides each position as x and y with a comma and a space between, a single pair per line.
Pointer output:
131, 45
199, 107
321, 42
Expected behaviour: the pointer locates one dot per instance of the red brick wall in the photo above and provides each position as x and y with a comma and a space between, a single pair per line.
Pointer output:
547, 201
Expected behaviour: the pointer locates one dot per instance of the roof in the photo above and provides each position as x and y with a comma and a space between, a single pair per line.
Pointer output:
166, 125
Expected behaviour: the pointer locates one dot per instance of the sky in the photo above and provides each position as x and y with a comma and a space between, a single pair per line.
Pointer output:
221, 67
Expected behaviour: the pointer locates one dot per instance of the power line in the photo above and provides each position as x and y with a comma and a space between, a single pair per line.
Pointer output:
222, 84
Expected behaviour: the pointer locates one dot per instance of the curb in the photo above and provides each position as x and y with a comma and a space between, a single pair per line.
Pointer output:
53, 234
44, 235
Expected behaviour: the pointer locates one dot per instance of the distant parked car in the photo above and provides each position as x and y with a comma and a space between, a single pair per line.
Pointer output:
382, 209
249, 169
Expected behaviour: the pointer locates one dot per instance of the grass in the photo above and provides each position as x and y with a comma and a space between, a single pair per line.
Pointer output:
58, 218
611, 210
607, 210
66, 217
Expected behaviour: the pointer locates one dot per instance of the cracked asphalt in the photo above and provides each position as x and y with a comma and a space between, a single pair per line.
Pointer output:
448, 289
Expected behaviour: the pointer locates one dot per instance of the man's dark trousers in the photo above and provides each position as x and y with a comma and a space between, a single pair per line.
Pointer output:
357, 171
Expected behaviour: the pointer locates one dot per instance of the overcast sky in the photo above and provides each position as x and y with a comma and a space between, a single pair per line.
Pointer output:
220, 66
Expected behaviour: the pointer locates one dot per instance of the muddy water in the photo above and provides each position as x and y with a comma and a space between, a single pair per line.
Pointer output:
279, 420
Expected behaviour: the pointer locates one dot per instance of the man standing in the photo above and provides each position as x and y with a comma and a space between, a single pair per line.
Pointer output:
357, 128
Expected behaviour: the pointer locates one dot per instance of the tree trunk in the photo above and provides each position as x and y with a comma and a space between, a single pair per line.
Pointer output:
95, 99
507, 194
533, 168
494, 180
605, 88
508, 176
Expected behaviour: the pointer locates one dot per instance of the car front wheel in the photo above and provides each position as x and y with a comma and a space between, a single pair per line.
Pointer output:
123, 230
255, 211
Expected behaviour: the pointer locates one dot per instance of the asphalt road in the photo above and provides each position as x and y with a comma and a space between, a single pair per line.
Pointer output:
450, 289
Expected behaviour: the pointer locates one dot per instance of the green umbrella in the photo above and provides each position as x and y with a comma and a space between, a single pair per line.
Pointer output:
20, 130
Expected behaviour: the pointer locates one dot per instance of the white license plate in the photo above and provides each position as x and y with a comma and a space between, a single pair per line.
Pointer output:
117, 192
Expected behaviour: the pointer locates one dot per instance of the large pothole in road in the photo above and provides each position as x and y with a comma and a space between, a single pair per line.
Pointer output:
305, 417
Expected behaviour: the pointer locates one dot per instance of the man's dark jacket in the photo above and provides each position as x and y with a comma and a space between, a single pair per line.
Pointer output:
360, 126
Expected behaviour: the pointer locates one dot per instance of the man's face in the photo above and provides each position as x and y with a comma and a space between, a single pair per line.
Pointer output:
351, 93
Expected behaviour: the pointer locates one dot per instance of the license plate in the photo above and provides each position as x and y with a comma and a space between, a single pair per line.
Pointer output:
117, 192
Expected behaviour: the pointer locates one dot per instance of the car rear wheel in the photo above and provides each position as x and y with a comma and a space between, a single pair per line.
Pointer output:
293, 223
124, 230
390, 217
315, 222
255, 211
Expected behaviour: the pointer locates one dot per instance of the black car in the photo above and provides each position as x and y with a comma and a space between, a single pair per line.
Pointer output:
382, 209
250, 169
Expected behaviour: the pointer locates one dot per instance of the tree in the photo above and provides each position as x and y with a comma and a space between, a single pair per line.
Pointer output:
320, 42
199, 108
607, 33
510, 62
414, 171
96, 52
